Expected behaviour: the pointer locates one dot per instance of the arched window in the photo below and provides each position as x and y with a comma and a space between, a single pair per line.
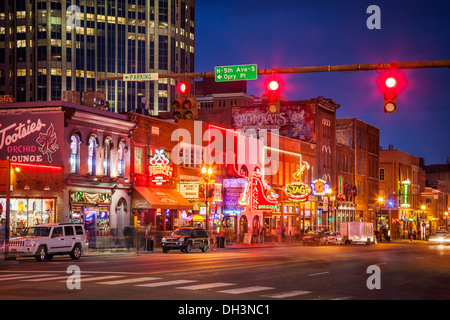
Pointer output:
121, 159
107, 145
92, 155
74, 153
244, 171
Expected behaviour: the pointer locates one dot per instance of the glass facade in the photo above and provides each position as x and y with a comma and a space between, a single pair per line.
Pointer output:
68, 50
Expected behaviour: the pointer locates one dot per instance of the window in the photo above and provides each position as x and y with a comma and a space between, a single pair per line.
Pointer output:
57, 232
121, 160
68, 231
381, 174
92, 156
79, 230
107, 157
74, 153
139, 160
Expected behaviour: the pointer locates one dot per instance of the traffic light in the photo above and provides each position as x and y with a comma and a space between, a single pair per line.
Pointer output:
390, 95
184, 107
273, 87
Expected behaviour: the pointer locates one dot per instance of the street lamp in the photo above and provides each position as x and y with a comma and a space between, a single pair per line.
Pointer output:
422, 230
207, 172
380, 201
446, 219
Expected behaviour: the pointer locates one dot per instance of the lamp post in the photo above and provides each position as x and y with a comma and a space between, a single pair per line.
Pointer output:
207, 172
380, 201
422, 230
446, 219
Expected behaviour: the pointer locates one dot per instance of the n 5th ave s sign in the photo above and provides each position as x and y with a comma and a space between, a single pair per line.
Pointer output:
140, 77
236, 73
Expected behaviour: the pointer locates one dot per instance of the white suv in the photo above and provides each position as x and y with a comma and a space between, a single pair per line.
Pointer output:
46, 240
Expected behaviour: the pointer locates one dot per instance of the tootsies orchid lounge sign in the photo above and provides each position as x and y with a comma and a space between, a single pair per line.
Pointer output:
32, 138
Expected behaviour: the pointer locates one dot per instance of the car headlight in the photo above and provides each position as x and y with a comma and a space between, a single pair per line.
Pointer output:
181, 240
163, 240
32, 245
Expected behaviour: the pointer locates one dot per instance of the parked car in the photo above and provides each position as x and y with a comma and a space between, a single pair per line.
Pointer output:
186, 239
334, 237
314, 238
47, 240
440, 236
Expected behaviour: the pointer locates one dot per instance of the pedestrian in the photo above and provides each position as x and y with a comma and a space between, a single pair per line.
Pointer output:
280, 233
2, 230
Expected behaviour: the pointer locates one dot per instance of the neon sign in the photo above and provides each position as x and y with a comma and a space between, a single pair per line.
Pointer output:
262, 196
297, 190
159, 170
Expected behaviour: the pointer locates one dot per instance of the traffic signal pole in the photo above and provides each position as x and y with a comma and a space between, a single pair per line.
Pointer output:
385, 66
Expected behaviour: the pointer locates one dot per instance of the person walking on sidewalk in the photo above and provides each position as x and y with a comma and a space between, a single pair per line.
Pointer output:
280, 234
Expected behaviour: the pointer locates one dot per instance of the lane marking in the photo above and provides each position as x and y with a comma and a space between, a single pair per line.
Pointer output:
11, 275
317, 274
54, 278
100, 278
26, 277
131, 280
287, 294
246, 290
165, 283
207, 286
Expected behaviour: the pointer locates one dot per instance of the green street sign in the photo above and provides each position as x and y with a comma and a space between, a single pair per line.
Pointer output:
140, 77
236, 73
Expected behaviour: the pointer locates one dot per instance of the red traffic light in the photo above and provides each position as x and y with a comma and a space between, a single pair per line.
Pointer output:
273, 85
391, 82
183, 87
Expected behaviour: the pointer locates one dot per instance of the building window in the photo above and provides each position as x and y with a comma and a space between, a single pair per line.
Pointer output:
107, 157
121, 160
92, 155
74, 154
381, 174
139, 160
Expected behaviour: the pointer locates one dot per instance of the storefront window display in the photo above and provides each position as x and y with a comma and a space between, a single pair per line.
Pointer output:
27, 212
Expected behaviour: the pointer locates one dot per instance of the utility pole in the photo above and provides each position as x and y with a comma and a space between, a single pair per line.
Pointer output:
330, 68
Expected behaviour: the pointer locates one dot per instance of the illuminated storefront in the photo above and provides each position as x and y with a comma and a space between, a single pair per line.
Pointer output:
28, 212
93, 210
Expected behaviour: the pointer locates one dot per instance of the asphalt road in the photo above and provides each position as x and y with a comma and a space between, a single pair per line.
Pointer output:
419, 271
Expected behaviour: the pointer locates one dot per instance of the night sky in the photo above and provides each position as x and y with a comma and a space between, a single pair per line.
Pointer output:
295, 33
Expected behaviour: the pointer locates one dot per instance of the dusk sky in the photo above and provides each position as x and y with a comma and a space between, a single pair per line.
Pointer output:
295, 33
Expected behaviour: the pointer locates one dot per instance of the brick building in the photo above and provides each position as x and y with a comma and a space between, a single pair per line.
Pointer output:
363, 140
71, 165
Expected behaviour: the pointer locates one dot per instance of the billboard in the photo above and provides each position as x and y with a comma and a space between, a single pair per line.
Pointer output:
35, 138
295, 121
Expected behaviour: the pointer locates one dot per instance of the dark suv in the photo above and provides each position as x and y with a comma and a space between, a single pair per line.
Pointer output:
185, 239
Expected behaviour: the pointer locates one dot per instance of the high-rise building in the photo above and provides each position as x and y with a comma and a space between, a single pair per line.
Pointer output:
47, 47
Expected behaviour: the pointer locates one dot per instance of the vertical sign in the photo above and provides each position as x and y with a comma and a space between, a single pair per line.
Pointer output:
5, 173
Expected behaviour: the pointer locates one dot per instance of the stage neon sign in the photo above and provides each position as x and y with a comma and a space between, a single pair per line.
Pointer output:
297, 190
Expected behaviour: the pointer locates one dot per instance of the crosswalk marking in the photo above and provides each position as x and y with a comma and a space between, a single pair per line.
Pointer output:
207, 286
246, 290
287, 294
100, 278
132, 280
26, 277
11, 275
165, 283
53, 278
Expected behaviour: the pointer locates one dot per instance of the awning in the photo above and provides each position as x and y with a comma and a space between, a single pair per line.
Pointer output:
153, 198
